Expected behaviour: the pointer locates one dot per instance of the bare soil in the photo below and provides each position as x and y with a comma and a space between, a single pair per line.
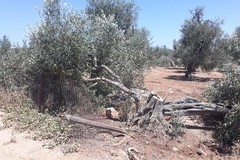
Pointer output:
98, 144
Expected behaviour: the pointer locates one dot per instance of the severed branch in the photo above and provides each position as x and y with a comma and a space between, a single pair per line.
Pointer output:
204, 111
118, 83
111, 72
93, 123
195, 109
121, 87
115, 83
156, 109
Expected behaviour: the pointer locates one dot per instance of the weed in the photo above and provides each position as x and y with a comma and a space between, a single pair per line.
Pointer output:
70, 148
176, 126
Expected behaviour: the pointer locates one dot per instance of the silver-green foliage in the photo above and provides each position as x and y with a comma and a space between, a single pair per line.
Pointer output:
12, 64
126, 56
57, 44
199, 42
234, 45
66, 42
228, 132
227, 92
124, 12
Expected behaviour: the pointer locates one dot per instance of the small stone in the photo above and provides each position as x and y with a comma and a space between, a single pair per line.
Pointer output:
175, 149
112, 113
201, 152
189, 146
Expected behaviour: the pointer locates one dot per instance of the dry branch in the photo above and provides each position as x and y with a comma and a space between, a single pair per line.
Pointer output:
115, 83
204, 111
111, 72
191, 106
93, 123
121, 87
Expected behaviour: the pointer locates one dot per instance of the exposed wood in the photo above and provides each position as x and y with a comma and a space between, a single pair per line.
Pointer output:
204, 111
156, 109
93, 123
191, 106
111, 72
183, 106
133, 94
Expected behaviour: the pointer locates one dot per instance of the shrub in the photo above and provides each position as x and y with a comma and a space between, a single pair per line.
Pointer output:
165, 61
226, 91
176, 126
228, 132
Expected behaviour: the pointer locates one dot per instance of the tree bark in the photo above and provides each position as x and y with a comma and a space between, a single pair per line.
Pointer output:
189, 71
156, 109
121, 87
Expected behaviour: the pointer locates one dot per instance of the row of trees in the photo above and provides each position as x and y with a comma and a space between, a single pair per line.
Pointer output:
68, 46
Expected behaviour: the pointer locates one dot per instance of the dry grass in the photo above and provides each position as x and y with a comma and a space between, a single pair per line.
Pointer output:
13, 100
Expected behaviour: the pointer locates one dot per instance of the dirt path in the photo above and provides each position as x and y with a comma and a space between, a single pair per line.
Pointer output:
18, 146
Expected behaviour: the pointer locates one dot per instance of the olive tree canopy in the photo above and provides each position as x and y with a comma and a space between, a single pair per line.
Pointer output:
199, 42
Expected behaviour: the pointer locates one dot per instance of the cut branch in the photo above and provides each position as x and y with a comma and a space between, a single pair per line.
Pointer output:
94, 124
205, 111
111, 72
115, 83
156, 109
121, 87
182, 106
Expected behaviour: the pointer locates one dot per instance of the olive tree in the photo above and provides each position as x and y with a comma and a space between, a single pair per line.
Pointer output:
199, 42
71, 47
57, 47
116, 42
234, 45
5, 49
124, 12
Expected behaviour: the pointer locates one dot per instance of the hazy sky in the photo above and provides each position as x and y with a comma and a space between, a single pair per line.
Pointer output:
163, 18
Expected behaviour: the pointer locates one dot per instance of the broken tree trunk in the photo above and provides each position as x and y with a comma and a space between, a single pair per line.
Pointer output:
93, 123
191, 106
156, 109
152, 113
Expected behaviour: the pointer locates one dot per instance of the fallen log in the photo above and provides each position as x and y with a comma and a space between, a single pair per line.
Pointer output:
191, 112
93, 123
156, 109
184, 106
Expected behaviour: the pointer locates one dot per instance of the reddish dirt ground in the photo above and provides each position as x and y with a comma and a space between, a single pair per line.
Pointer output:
161, 80
95, 144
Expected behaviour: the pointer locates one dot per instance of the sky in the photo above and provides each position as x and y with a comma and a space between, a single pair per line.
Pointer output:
163, 18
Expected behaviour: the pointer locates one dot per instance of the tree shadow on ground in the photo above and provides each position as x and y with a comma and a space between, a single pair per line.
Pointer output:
193, 78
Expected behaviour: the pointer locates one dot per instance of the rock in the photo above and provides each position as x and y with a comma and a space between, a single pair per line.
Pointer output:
201, 152
112, 113
174, 149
